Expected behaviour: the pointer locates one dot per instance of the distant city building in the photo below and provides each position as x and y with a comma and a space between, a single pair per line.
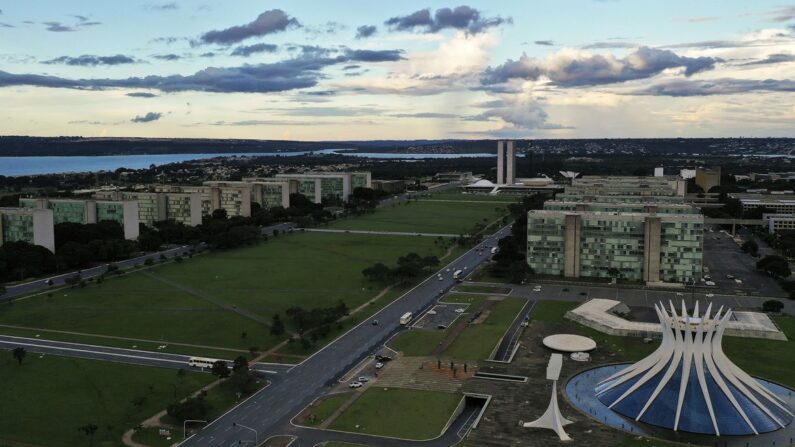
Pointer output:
620, 207
708, 178
769, 176
31, 225
659, 171
266, 192
454, 176
779, 222
780, 204
506, 163
317, 186
687, 173
390, 186
235, 200
185, 208
592, 185
87, 211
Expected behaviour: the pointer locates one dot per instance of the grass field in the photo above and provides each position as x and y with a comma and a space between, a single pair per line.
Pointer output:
478, 340
325, 408
457, 195
417, 343
425, 217
302, 269
51, 397
404, 413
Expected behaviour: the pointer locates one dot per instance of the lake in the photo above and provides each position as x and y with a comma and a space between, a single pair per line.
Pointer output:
17, 166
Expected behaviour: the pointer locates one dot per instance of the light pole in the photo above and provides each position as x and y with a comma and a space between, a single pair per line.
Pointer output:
256, 435
185, 423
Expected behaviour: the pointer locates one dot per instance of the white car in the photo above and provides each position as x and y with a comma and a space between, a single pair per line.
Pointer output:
738, 281
379, 365
431, 312
679, 294
459, 311
709, 295
363, 379
355, 385
710, 283
440, 278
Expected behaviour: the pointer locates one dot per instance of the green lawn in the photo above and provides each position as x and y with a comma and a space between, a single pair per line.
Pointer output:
51, 397
418, 342
458, 195
301, 269
477, 341
404, 413
425, 217
324, 408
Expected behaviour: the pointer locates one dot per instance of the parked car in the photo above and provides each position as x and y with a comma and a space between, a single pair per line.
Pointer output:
379, 365
375, 322
363, 379
355, 385
710, 283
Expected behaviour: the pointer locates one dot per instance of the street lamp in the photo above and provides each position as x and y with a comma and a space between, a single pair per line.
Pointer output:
185, 423
256, 435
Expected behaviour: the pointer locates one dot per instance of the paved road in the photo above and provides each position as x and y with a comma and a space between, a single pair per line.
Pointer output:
511, 338
120, 355
59, 280
269, 411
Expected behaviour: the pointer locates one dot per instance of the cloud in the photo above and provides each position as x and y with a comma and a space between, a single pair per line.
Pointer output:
207, 54
525, 114
424, 115
88, 60
696, 19
148, 118
168, 40
167, 57
782, 14
775, 58
299, 72
248, 50
547, 43
170, 6
610, 44
571, 68
141, 95
365, 31
268, 22
58, 27
85, 21
351, 67
6, 25
461, 17
726, 86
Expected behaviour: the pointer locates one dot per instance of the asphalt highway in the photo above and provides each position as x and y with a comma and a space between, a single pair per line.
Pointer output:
269, 411
119, 355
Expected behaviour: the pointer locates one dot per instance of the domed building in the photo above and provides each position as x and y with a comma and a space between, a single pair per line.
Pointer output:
689, 384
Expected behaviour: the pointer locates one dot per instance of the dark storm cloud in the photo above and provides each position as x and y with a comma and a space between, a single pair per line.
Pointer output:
596, 69
302, 71
148, 118
268, 22
88, 60
726, 86
248, 50
461, 17
365, 31
775, 58
141, 95
547, 43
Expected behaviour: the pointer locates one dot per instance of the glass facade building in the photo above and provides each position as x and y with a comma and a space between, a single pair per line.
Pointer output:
31, 225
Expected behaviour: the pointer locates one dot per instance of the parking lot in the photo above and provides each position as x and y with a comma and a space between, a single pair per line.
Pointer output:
442, 314
724, 258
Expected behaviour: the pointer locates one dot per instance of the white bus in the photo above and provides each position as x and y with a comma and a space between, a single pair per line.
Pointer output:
404, 320
458, 274
201, 362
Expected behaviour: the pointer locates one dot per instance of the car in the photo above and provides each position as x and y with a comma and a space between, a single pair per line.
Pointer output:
363, 379
680, 294
448, 270
738, 280
431, 312
375, 322
459, 310
383, 358
355, 385
441, 326
710, 283
729, 276
565, 289
583, 293
440, 278
379, 365
709, 295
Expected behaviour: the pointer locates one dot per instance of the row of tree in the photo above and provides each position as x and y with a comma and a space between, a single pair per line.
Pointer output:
409, 266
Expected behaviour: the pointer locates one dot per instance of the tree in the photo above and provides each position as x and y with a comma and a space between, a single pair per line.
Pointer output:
19, 354
277, 327
243, 380
219, 214
775, 266
190, 408
220, 369
240, 362
772, 306
751, 247
89, 430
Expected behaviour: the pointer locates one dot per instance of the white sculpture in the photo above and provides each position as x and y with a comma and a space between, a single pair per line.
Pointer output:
552, 418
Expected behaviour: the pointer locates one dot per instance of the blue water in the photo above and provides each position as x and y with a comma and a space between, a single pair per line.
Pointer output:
16, 166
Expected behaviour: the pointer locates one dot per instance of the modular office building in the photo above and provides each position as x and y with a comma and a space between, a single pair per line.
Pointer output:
31, 225
185, 208
646, 246
125, 212
317, 186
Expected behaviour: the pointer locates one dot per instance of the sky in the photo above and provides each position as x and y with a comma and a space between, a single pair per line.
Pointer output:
364, 70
